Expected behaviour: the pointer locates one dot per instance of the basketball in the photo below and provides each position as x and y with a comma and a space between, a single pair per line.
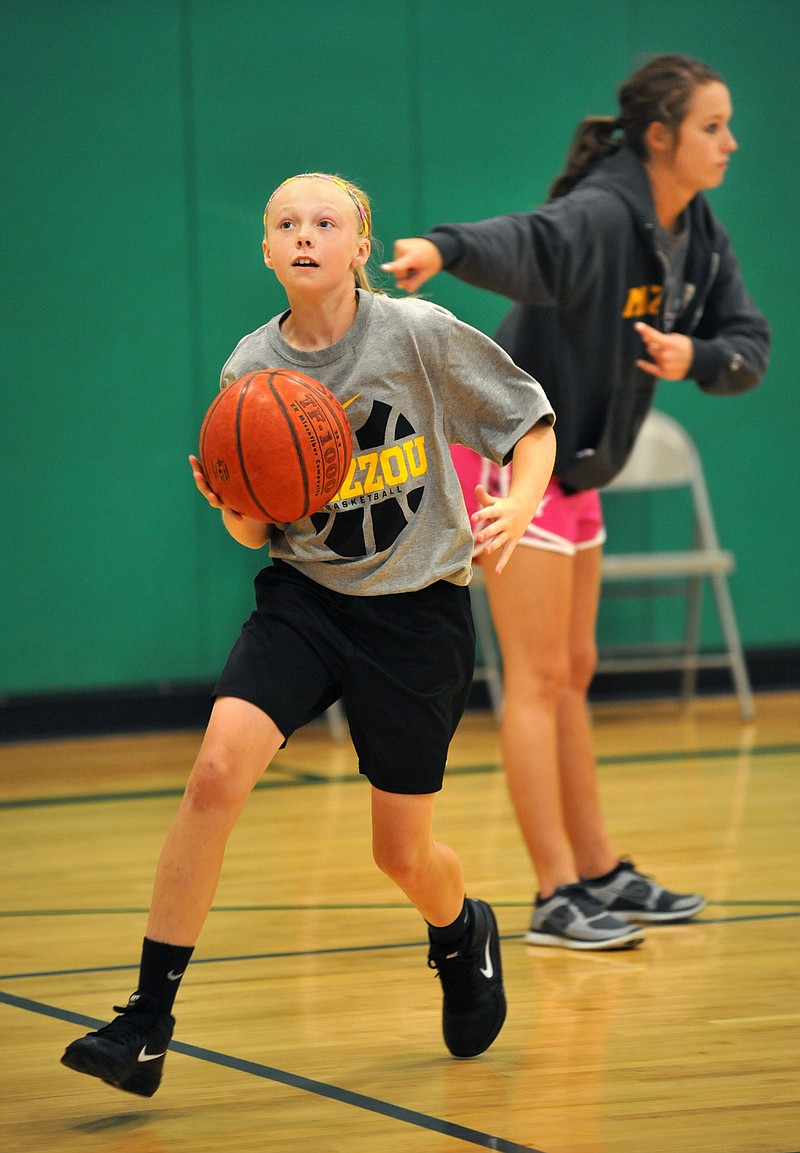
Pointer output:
275, 445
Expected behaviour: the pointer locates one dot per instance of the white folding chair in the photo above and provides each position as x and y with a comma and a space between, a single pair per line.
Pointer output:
665, 457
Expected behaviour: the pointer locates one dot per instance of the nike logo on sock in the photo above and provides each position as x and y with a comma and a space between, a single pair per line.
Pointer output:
488, 972
145, 1056
173, 976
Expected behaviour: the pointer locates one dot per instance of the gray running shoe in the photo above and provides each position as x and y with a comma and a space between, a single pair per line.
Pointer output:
573, 919
634, 897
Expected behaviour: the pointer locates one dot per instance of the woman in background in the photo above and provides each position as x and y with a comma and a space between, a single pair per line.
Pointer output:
624, 276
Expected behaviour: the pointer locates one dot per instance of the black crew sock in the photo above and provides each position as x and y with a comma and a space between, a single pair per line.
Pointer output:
161, 969
445, 936
605, 876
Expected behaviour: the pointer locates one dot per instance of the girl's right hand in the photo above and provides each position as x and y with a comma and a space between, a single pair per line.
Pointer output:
205, 489
415, 261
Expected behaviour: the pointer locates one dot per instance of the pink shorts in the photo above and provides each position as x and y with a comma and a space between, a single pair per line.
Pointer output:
561, 523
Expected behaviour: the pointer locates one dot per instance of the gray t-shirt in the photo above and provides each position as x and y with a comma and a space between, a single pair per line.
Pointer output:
673, 247
413, 379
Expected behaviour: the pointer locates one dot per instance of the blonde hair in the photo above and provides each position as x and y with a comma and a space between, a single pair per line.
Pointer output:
362, 205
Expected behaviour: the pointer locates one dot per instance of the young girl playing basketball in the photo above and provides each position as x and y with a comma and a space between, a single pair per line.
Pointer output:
366, 601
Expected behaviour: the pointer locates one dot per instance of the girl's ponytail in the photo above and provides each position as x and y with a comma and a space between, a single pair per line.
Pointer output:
593, 139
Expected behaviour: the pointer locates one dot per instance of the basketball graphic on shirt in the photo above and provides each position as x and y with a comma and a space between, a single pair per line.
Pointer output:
383, 489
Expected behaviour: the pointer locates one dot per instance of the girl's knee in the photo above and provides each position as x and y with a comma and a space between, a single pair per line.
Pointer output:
216, 783
398, 860
402, 841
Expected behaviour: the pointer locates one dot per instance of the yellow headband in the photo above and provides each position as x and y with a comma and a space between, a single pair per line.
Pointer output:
336, 180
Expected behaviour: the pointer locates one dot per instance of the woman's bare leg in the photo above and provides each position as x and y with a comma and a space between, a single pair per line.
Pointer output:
580, 798
544, 608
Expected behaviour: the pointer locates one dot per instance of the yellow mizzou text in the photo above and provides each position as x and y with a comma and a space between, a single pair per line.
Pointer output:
373, 471
644, 300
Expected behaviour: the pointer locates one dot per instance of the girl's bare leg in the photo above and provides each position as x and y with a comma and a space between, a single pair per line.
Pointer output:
427, 871
239, 743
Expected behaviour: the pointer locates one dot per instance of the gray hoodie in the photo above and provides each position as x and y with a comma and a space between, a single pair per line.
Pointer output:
583, 270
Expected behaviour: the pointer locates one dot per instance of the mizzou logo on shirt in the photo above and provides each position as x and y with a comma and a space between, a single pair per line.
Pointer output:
644, 300
374, 472
383, 489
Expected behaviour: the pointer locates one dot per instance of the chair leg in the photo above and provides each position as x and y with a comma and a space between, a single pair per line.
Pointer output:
691, 637
730, 631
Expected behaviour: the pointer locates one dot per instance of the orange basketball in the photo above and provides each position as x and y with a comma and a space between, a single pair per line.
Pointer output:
276, 445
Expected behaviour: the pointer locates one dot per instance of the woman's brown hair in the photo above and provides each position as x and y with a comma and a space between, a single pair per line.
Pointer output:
660, 91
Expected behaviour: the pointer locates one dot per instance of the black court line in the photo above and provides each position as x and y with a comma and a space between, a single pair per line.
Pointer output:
699, 755
388, 946
287, 777
340, 907
296, 1081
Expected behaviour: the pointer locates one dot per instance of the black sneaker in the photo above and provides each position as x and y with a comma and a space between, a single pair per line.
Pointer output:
634, 897
472, 983
129, 1053
571, 918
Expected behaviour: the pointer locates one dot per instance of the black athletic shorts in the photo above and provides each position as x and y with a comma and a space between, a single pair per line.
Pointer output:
402, 664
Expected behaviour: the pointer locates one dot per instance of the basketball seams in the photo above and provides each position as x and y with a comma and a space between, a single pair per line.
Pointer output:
245, 388
271, 374
340, 422
334, 418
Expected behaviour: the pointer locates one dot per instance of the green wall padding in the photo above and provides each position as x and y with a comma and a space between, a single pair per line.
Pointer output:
140, 142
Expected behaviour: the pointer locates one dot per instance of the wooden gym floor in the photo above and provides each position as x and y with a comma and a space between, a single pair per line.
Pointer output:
309, 1020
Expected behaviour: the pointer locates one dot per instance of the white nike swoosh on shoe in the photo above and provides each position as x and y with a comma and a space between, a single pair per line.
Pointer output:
145, 1056
488, 972
173, 976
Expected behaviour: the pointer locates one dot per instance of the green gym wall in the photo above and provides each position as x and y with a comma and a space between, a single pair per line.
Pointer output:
139, 143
